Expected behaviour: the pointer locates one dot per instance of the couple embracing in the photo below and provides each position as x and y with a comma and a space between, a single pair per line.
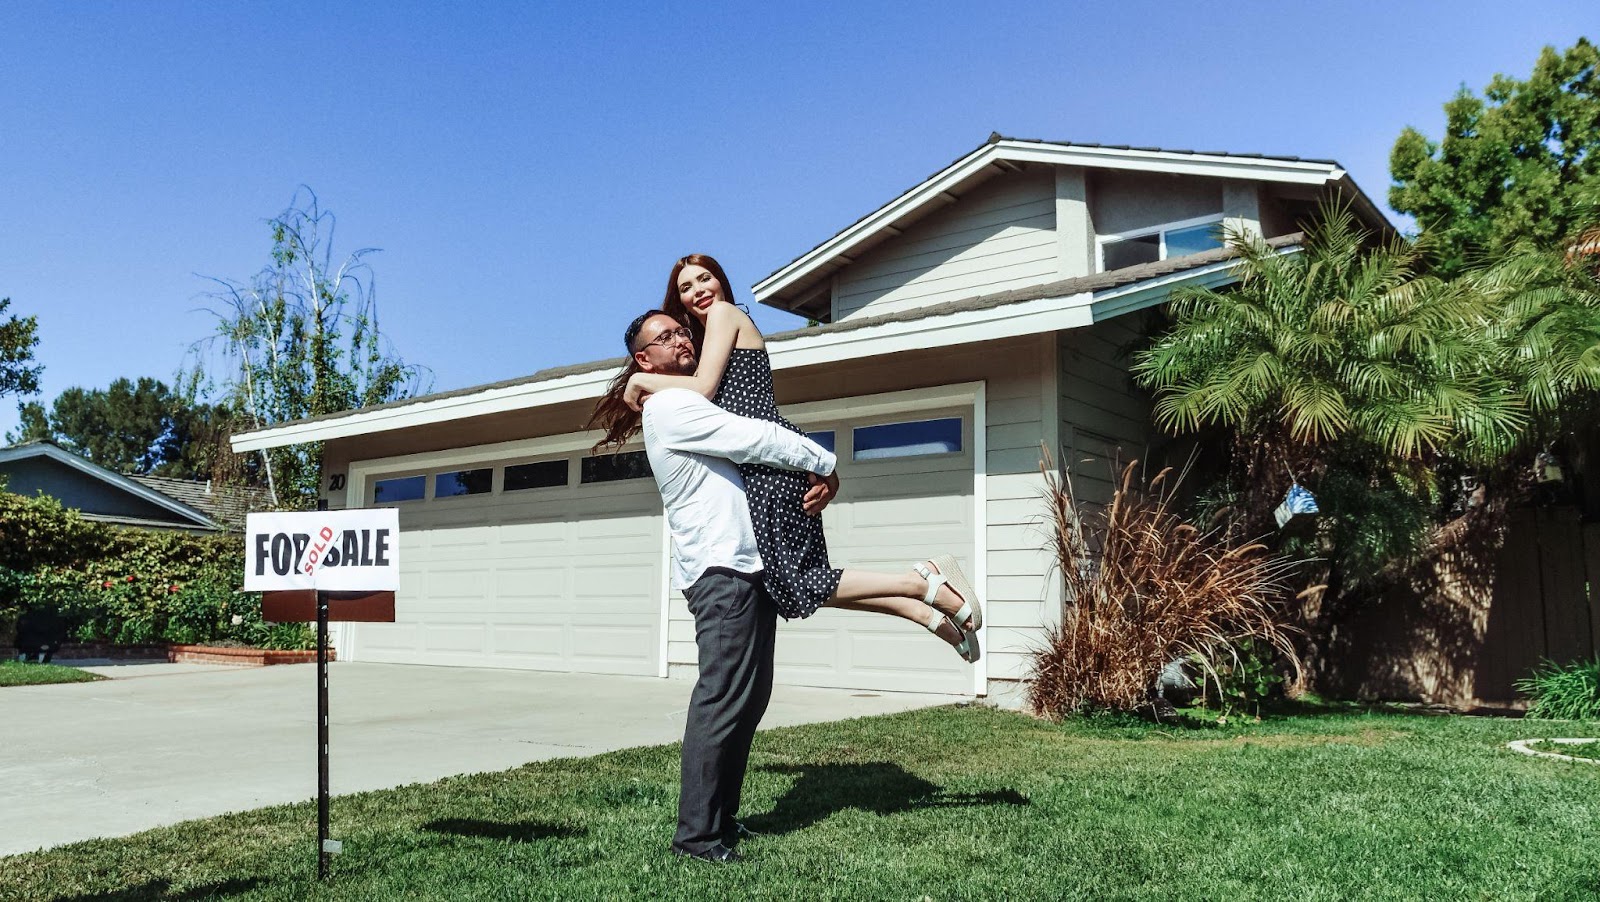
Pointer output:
743, 490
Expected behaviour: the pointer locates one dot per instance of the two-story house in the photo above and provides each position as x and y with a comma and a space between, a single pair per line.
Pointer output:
962, 324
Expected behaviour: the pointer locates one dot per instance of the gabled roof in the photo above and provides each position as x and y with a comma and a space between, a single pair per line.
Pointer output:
796, 283
1064, 304
185, 514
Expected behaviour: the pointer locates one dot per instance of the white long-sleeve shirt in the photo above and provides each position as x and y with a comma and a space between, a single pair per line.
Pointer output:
693, 446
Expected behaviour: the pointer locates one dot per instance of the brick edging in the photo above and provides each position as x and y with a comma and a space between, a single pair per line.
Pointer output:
245, 657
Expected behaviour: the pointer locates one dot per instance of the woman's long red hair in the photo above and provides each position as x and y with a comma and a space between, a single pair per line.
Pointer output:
673, 302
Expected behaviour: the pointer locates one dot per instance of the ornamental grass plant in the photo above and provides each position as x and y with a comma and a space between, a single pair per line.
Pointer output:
1569, 692
1144, 588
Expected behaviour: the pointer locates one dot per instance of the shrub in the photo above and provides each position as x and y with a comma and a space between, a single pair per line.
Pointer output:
128, 586
1245, 679
1145, 588
1570, 692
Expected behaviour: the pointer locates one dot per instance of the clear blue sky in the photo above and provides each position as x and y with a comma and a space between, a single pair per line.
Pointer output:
531, 170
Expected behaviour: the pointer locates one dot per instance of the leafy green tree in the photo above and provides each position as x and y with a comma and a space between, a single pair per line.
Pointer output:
299, 340
19, 336
1520, 163
131, 426
1344, 366
33, 424
125, 427
1547, 304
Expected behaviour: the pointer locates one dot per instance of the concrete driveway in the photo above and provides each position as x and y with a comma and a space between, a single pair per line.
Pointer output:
163, 743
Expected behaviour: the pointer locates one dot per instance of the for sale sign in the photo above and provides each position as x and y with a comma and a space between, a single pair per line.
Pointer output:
333, 551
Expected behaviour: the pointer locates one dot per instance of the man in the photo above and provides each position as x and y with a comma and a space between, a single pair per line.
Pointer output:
693, 447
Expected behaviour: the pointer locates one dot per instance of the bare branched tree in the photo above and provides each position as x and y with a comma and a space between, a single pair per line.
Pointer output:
300, 339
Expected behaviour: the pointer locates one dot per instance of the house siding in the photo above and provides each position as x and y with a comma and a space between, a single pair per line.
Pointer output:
82, 492
1105, 417
1000, 238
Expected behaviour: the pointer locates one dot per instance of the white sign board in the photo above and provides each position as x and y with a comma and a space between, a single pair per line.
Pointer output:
334, 551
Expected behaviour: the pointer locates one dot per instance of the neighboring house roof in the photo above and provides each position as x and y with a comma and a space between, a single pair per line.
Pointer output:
183, 514
788, 287
227, 505
1064, 304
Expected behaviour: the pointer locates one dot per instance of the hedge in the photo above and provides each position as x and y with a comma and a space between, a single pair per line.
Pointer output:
128, 586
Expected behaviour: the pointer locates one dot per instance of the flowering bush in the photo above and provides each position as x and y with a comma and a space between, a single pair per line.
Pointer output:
129, 586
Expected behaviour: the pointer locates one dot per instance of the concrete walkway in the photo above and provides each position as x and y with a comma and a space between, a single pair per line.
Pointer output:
163, 743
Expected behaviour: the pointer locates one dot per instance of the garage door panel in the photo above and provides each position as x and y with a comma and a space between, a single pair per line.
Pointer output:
530, 583
619, 641
543, 641
568, 579
637, 581
454, 583
454, 637
390, 637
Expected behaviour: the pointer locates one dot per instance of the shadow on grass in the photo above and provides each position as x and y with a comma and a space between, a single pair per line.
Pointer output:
879, 787
162, 890
516, 831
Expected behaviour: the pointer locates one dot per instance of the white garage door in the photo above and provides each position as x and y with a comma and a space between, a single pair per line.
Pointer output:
560, 577
908, 496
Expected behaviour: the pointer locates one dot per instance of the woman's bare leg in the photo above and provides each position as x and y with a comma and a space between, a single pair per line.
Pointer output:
890, 593
914, 611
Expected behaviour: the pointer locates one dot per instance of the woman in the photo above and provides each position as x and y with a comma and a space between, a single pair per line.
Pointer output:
735, 374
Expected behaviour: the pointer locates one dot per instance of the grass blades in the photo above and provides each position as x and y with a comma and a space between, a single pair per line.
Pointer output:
948, 803
18, 673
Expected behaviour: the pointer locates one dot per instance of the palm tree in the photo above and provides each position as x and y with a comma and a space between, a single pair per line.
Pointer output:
1548, 329
1344, 340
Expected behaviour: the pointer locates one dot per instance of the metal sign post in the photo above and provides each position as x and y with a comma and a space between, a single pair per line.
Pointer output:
324, 853
295, 560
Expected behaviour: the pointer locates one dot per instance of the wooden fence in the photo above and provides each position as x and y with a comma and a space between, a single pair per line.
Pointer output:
1546, 600
1478, 616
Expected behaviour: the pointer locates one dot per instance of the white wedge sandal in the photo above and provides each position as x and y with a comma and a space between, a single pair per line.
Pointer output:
944, 569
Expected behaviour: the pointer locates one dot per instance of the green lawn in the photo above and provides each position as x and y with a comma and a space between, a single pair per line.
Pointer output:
16, 673
952, 803
1591, 750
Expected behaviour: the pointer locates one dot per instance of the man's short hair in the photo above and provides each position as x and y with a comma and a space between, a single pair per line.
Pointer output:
637, 324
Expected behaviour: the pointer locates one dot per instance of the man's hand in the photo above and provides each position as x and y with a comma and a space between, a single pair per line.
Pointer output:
822, 490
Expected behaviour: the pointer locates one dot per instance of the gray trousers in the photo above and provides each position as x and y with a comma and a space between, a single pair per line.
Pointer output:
734, 625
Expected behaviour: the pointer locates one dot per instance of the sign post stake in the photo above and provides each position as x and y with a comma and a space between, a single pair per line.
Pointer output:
323, 565
323, 852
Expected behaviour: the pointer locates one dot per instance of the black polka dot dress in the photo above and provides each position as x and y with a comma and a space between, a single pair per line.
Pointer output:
793, 551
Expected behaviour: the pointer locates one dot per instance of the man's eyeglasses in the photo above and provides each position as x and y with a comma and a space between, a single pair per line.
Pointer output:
670, 337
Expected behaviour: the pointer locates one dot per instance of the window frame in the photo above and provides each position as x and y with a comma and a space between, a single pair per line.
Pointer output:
1161, 230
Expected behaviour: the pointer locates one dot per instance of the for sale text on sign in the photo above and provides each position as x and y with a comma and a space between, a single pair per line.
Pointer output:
334, 551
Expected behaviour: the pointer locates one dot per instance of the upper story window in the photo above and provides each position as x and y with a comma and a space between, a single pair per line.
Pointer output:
1163, 242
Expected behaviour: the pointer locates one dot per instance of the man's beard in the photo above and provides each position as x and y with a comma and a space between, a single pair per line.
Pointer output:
678, 368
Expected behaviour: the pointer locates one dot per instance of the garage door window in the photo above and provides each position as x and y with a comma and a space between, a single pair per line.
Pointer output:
402, 488
542, 475
612, 467
463, 482
825, 438
911, 439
